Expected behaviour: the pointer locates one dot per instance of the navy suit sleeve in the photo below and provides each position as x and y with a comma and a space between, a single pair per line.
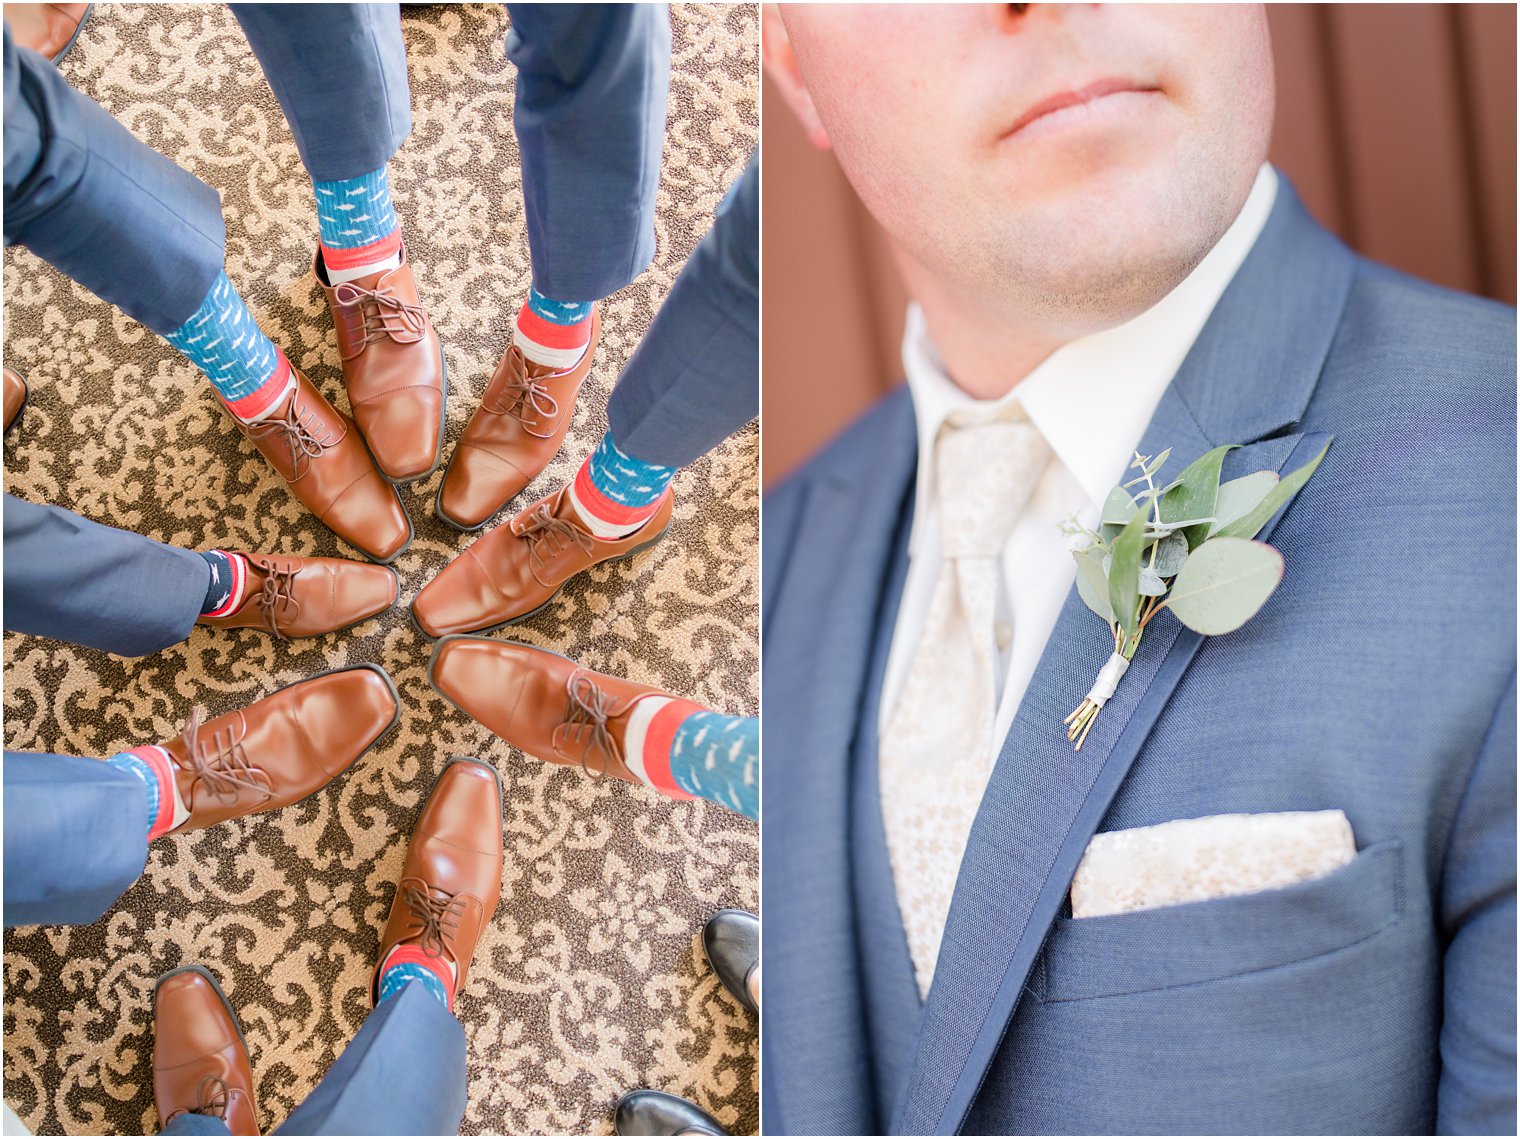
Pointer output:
1477, 1089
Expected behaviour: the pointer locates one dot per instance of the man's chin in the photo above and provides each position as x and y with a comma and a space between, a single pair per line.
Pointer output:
1083, 279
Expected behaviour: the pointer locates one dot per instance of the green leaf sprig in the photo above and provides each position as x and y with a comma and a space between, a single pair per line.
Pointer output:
1187, 546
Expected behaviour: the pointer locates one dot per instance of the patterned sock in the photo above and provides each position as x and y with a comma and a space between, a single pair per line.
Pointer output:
554, 334
229, 578
684, 751
357, 226
221, 339
409, 963
614, 494
152, 765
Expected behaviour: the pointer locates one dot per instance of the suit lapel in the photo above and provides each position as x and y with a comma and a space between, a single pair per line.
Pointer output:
1248, 377
819, 633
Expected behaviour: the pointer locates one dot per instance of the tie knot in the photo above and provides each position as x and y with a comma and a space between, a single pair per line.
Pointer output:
985, 474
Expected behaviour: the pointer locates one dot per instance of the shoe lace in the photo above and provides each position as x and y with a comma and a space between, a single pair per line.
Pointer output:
220, 762
543, 526
295, 430
279, 589
212, 1097
438, 910
590, 705
523, 393
385, 314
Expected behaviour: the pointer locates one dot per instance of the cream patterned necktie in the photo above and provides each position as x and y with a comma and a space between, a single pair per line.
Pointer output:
938, 750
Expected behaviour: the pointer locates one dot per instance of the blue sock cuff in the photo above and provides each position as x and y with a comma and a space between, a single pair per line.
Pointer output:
222, 339
397, 977
355, 211
717, 757
558, 312
126, 761
623, 479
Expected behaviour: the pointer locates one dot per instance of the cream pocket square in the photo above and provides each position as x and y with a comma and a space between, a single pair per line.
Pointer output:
1218, 856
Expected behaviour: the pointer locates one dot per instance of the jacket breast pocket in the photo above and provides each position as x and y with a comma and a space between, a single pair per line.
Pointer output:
1189, 944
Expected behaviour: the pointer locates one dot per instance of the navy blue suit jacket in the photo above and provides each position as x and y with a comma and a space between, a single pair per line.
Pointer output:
1379, 679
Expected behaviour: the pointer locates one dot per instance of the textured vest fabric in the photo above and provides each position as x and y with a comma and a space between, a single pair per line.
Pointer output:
891, 997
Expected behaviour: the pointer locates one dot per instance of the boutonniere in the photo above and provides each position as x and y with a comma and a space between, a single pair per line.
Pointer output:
1187, 546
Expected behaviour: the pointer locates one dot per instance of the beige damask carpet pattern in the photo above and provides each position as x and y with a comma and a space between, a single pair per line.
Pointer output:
590, 980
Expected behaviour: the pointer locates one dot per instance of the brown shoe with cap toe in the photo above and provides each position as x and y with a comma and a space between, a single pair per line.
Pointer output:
393, 368
307, 597
514, 434
544, 704
318, 451
282, 748
48, 29
15, 396
451, 880
515, 570
200, 1061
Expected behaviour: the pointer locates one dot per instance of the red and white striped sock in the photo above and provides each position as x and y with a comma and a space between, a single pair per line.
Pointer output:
151, 764
613, 493
268, 397
410, 963
647, 740
553, 334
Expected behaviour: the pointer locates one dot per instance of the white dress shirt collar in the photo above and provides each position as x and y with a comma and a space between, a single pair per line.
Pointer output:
1091, 398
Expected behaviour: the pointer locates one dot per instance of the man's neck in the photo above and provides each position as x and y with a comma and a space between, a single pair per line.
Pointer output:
986, 351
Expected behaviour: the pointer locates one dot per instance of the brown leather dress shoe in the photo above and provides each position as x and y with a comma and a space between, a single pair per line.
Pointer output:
48, 29
392, 366
513, 435
514, 571
307, 597
200, 1062
451, 880
541, 702
317, 451
282, 748
15, 396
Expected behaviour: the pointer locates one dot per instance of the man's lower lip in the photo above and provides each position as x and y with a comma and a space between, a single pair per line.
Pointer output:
1098, 112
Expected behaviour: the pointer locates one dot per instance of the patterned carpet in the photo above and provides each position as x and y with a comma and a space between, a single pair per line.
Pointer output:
590, 981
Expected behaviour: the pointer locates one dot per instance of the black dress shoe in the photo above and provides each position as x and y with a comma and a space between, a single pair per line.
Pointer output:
647, 1112
731, 940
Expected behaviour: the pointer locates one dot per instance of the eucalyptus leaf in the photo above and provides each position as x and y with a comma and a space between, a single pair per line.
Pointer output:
1155, 464
1194, 496
1224, 583
1108, 531
1092, 585
1250, 523
1124, 574
1171, 552
1150, 584
1239, 497
1119, 507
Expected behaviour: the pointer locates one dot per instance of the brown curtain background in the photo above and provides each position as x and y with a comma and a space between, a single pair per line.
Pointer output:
1396, 123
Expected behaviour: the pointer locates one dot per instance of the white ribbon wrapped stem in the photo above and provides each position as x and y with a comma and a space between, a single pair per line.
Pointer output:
1108, 679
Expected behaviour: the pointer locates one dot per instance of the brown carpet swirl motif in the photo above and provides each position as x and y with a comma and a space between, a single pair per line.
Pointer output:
590, 979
